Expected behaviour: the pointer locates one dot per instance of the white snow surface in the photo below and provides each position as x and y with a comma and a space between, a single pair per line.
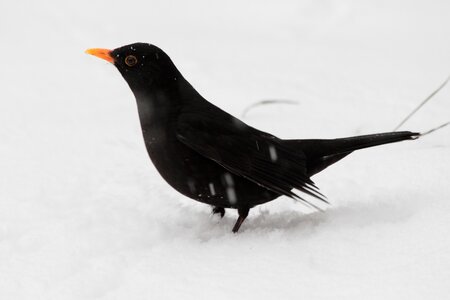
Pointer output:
85, 215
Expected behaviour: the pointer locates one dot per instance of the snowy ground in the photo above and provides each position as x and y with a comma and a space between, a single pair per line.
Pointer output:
84, 215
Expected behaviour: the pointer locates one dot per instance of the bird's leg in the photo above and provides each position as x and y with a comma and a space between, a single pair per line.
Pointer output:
243, 213
218, 210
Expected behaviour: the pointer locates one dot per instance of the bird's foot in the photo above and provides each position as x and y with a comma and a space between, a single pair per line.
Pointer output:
218, 210
243, 213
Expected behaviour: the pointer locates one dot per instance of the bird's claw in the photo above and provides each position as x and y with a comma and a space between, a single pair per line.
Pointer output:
218, 210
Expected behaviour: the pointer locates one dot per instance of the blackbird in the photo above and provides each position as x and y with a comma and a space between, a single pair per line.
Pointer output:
210, 156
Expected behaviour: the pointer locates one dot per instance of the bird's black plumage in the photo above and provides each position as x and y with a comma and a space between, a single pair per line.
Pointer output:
210, 156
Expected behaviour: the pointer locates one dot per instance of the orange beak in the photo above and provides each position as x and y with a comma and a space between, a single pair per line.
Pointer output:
101, 53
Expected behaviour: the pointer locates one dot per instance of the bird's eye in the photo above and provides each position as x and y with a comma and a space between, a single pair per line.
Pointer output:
130, 60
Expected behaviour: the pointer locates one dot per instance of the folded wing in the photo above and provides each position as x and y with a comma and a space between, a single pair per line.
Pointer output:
247, 152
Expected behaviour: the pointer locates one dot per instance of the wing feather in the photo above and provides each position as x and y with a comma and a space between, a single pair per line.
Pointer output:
247, 152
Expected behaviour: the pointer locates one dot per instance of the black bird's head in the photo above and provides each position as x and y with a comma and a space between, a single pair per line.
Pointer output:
143, 66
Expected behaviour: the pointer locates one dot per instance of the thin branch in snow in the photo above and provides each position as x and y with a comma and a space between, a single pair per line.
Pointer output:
434, 129
422, 104
265, 102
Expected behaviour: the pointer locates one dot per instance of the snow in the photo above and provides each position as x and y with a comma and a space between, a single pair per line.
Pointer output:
84, 214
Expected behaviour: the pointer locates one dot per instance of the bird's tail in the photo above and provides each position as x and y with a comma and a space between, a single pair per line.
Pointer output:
322, 153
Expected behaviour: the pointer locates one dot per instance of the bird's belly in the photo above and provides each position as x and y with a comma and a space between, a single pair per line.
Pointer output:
202, 179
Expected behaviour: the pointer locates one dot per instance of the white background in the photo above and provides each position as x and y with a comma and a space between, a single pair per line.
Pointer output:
84, 214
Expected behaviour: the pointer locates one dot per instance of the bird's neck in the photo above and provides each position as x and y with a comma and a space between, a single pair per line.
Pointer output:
160, 103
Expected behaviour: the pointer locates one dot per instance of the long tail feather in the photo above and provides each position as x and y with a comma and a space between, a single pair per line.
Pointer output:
322, 153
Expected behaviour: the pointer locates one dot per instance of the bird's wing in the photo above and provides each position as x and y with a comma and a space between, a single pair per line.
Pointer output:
249, 153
